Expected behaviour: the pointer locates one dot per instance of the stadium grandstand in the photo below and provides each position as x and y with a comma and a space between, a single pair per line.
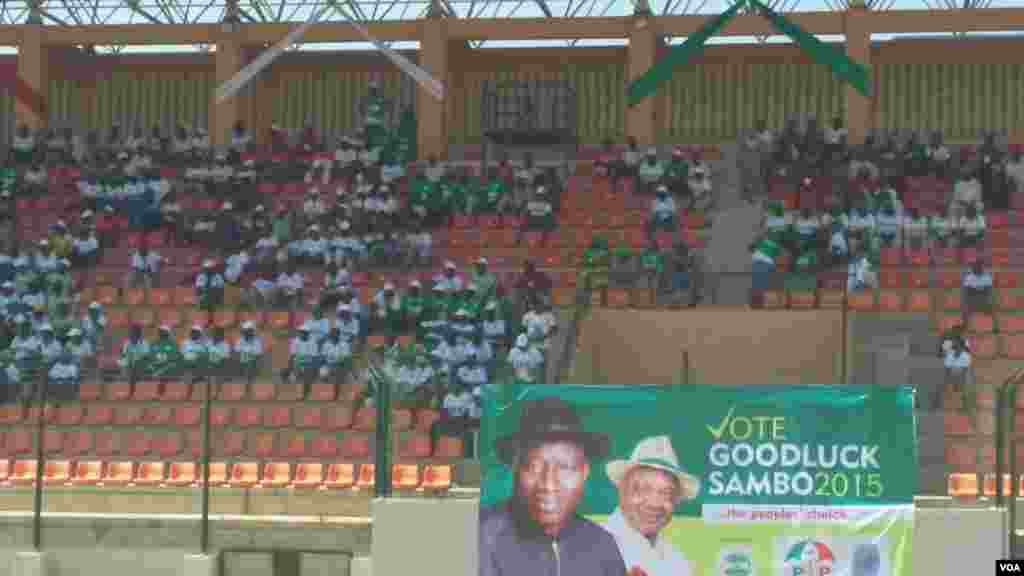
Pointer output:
253, 285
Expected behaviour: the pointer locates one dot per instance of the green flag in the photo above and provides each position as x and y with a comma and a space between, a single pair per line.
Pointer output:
846, 69
648, 83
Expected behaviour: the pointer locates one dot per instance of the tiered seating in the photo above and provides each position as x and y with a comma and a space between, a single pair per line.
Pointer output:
263, 439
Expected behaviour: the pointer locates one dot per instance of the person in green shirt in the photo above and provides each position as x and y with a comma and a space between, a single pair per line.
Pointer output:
61, 319
485, 281
677, 172
164, 361
652, 266
23, 146
386, 311
413, 305
650, 171
134, 356
375, 111
596, 264
623, 268
434, 319
419, 192
493, 197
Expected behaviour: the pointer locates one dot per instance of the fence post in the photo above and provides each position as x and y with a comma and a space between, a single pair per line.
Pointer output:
37, 498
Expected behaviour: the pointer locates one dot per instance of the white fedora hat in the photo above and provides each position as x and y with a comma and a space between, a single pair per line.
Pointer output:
655, 452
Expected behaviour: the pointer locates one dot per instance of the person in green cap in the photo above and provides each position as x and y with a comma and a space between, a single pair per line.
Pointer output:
469, 300
164, 361
413, 305
596, 264
652, 266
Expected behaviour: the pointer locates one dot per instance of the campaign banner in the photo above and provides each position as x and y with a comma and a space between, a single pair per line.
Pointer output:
697, 480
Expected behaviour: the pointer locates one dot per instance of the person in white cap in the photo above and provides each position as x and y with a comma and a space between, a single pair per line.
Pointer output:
314, 247
94, 325
304, 359
449, 278
539, 214
64, 378
526, 360
249, 352
463, 325
493, 326
540, 324
663, 213
82, 350
218, 353
486, 282
236, 266
45, 259
145, 267
651, 483
209, 285
413, 304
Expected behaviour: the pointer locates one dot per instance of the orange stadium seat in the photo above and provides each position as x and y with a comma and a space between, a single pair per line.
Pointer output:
147, 390
160, 297
425, 419
308, 417
436, 477
337, 417
355, 446
415, 445
88, 472
261, 444
365, 420
340, 475
185, 296
181, 474
244, 474
134, 296
23, 472
150, 473
405, 476
308, 475
106, 295
291, 445
324, 447
449, 447
119, 473
323, 392
367, 477
963, 485
276, 474
5, 470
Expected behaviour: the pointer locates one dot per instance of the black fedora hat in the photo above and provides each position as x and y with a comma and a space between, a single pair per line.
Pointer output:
550, 420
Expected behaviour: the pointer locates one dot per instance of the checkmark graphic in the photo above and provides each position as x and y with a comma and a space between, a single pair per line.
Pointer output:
717, 431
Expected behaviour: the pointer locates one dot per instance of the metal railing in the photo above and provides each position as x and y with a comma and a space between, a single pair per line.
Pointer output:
1006, 445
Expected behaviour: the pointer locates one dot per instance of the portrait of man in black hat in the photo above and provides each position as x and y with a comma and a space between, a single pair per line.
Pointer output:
537, 531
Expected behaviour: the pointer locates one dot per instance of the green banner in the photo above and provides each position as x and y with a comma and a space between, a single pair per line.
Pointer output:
648, 82
845, 68
698, 480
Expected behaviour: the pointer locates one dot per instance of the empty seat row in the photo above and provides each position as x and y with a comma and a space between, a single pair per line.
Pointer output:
260, 391
141, 443
330, 418
337, 475
885, 300
965, 485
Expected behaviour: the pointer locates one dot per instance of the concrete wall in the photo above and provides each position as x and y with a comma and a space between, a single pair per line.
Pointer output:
726, 346
410, 536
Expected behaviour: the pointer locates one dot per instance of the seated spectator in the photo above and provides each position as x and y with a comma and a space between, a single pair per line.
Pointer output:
64, 379
914, 229
539, 214
416, 379
764, 254
699, 186
971, 228
85, 249
336, 354
596, 264
249, 352
860, 274
218, 356
663, 213
195, 353
304, 359
938, 156
1015, 169
677, 173
145, 268
456, 420
49, 347
807, 227
35, 181
313, 208
165, 361
527, 361
967, 192
94, 326
650, 172
977, 290
386, 311
287, 288
419, 246
888, 226
485, 281
684, 275
652, 267
134, 356
775, 221
209, 286
23, 146
347, 322
449, 278
957, 362
532, 284
940, 230
493, 326
236, 266
540, 325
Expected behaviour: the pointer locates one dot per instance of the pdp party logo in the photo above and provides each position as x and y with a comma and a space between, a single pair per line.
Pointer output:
736, 560
809, 558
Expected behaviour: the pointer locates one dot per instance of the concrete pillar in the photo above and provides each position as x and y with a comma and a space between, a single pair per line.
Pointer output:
29, 564
86, 103
199, 565
859, 110
432, 129
262, 109
440, 529
642, 54
229, 59
361, 566
32, 69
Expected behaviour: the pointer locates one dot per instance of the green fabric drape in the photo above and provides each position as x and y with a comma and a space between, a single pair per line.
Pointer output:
648, 83
846, 69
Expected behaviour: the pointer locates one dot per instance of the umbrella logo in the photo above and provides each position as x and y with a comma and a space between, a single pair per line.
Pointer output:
809, 558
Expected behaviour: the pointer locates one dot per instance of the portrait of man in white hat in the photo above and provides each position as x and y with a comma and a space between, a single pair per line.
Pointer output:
651, 483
